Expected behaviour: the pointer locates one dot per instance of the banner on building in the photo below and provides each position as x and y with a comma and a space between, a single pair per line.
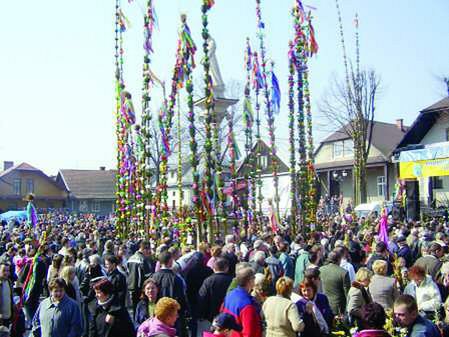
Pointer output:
424, 168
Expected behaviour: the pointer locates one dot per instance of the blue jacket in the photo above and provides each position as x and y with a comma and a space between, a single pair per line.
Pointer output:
423, 328
287, 264
58, 320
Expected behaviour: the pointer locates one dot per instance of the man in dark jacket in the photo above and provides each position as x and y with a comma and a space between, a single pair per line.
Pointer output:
6, 295
7, 258
213, 290
171, 285
117, 279
139, 268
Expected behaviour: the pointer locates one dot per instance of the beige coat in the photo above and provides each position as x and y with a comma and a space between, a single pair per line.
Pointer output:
282, 317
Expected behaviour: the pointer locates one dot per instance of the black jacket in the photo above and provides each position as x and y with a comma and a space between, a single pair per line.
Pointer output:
171, 285
86, 288
139, 269
212, 294
406, 253
118, 280
121, 327
194, 279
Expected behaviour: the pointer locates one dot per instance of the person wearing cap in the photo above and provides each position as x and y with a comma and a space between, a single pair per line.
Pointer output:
110, 319
404, 251
242, 305
222, 326
280, 313
430, 259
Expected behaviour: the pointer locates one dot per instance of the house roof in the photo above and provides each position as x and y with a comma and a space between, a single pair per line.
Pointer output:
20, 167
424, 122
386, 137
280, 154
89, 184
25, 167
440, 105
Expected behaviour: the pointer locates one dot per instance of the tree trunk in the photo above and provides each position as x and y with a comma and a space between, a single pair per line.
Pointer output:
363, 185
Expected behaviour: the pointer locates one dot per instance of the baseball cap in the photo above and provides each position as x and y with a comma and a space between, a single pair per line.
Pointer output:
226, 321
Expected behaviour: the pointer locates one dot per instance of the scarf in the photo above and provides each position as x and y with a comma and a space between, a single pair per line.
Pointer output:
318, 316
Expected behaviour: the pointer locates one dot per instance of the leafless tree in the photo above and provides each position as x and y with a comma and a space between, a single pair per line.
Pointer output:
350, 105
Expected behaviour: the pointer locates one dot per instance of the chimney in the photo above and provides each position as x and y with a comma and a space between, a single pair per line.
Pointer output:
400, 124
102, 168
7, 165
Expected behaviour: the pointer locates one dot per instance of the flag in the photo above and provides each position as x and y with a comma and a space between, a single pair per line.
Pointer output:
383, 227
275, 93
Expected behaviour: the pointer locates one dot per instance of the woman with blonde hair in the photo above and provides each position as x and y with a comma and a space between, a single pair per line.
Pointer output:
163, 322
68, 275
383, 289
215, 254
280, 313
358, 294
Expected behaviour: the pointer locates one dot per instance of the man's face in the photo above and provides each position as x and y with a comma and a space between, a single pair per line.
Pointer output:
147, 251
4, 272
403, 316
109, 266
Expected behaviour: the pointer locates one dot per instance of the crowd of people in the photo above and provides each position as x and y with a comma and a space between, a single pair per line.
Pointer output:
80, 279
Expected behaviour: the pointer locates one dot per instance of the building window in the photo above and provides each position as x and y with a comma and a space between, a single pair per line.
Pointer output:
30, 186
96, 206
437, 183
348, 148
263, 162
17, 187
172, 174
447, 135
344, 148
174, 193
381, 186
338, 149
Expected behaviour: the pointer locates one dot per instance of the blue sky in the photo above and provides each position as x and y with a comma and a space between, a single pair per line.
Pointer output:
56, 61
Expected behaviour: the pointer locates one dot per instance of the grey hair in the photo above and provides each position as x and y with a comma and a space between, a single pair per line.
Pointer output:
95, 259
